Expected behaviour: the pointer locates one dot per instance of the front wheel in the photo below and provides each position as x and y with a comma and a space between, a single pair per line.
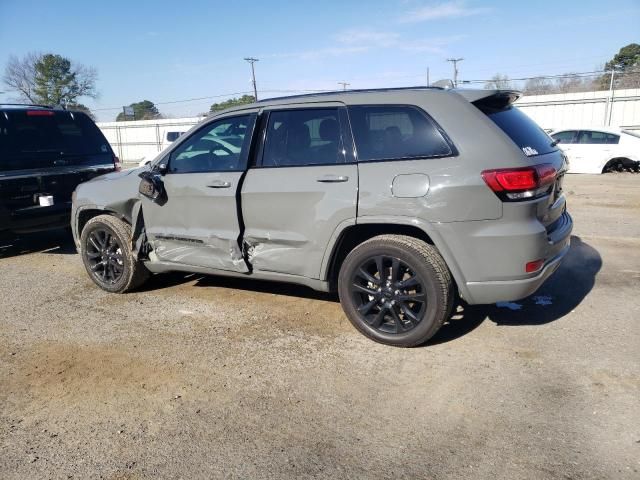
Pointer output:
105, 247
396, 290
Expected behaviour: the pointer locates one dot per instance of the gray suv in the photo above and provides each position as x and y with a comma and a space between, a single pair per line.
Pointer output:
402, 200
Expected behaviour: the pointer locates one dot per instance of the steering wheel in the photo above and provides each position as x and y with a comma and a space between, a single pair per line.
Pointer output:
221, 147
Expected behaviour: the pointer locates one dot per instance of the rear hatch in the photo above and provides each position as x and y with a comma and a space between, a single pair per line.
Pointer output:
547, 162
47, 153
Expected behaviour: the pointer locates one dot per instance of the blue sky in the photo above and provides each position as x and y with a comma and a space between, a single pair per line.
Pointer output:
165, 51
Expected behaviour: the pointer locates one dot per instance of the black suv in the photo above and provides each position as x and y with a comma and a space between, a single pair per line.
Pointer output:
44, 154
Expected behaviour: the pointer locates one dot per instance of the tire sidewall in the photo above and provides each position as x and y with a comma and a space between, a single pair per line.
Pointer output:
429, 323
124, 279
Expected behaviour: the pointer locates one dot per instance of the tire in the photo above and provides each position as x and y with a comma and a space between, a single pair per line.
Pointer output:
111, 265
621, 164
407, 304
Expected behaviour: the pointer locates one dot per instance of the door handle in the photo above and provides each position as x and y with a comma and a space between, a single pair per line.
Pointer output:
332, 179
219, 184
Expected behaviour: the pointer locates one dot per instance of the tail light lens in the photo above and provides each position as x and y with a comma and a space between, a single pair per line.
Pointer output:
534, 266
513, 184
40, 113
116, 163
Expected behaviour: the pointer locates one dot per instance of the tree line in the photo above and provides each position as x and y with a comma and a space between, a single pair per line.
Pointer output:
625, 64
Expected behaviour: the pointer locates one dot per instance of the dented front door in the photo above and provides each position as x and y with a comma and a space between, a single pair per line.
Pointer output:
197, 223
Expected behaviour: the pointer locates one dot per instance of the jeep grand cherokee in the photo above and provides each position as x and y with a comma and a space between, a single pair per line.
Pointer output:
401, 199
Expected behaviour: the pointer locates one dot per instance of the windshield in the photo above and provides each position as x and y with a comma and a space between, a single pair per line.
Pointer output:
46, 138
524, 132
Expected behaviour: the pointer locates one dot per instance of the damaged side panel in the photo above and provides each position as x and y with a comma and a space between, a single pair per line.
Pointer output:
288, 224
198, 225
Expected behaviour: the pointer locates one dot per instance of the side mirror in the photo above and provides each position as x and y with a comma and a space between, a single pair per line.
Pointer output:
152, 187
161, 167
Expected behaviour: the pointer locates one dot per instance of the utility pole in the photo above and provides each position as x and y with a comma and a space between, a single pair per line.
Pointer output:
344, 85
455, 69
609, 107
251, 61
428, 83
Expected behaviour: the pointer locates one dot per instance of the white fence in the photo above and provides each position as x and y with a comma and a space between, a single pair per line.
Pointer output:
584, 109
133, 141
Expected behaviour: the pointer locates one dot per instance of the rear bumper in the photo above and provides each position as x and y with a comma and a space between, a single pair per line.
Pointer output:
504, 291
488, 258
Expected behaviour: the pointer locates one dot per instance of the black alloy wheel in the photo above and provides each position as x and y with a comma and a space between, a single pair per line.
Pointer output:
396, 289
106, 250
388, 295
103, 253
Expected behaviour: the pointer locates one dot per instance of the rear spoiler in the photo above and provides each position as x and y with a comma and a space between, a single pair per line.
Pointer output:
490, 99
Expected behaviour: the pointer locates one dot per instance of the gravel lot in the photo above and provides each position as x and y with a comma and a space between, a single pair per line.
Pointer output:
204, 377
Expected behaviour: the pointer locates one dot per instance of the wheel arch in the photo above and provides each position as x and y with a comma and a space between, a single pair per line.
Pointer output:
126, 212
627, 162
348, 236
85, 214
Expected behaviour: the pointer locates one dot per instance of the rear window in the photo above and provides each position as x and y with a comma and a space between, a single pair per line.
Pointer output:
385, 132
524, 132
43, 138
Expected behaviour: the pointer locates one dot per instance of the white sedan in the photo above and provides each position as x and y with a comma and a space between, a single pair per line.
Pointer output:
599, 150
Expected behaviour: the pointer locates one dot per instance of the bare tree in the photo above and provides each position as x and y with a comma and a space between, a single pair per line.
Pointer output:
570, 83
20, 74
498, 82
50, 79
538, 86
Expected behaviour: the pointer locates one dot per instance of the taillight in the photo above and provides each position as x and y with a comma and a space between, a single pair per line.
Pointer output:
521, 183
40, 113
116, 163
534, 266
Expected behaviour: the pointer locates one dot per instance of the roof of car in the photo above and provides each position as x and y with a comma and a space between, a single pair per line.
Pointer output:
33, 106
615, 130
20, 106
347, 96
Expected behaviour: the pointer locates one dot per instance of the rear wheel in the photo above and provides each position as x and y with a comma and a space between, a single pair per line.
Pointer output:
396, 290
105, 247
621, 165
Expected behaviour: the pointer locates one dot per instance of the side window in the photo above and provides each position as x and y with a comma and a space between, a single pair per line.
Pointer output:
394, 132
219, 146
565, 137
613, 139
173, 136
593, 137
303, 137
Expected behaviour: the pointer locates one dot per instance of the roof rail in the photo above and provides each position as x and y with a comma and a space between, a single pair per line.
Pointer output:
343, 92
25, 105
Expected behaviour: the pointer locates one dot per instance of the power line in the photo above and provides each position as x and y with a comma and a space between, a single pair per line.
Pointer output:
212, 97
564, 75
231, 94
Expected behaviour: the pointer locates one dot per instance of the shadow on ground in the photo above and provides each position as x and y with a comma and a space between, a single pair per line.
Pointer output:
50, 241
557, 297
560, 294
247, 284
